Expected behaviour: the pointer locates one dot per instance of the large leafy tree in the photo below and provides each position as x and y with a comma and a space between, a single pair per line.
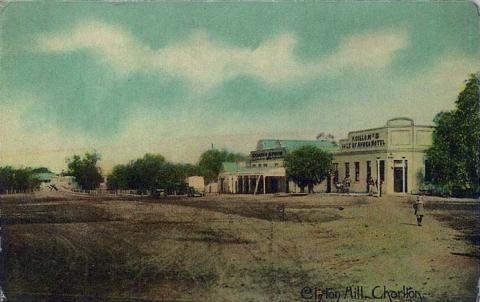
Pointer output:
454, 155
150, 172
85, 170
147, 171
308, 166
210, 163
120, 178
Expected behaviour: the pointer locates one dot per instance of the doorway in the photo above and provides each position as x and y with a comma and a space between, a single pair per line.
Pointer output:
400, 172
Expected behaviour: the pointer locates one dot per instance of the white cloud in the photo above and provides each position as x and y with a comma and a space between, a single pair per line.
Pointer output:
206, 63
367, 50
112, 45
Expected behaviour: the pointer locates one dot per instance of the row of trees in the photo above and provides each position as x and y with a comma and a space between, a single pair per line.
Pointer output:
153, 171
306, 166
148, 173
18, 180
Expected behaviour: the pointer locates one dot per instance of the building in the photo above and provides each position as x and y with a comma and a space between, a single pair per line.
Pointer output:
211, 188
46, 178
196, 182
391, 157
264, 171
393, 154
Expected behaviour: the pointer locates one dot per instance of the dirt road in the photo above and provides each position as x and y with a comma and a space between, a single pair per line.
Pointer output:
228, 248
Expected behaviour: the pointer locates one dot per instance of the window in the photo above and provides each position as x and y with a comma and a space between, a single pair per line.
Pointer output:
276, 164
369, 170
265, 165
347, 170
357, 171
335, 173
254, 165
382, 170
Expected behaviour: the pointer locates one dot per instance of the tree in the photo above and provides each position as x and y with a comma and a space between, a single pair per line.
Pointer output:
7, 179
148, 173
24, 180
120, 178
308, 166
41, 170
454, 156
85, 170
210, 163
188, 169
173, 178
17, 180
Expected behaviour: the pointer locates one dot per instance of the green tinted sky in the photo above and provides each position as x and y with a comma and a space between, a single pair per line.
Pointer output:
173, 78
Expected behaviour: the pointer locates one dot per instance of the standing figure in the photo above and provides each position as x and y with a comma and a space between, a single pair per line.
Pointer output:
370, 184
419, 211
346, 186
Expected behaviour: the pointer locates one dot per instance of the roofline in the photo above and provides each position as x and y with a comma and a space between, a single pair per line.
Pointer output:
295, 140
370, 129
424, 126
386, 127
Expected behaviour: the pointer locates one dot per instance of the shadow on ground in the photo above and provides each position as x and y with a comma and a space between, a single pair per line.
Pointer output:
465, 218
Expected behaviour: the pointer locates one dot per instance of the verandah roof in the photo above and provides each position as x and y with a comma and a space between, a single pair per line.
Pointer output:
234, 168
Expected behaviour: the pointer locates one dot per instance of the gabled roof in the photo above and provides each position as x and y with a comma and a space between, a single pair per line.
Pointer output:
292, 145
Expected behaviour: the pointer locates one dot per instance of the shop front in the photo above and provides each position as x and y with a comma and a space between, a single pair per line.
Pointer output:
390, 159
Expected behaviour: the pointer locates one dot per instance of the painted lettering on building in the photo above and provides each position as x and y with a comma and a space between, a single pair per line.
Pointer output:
262, 155
362, 141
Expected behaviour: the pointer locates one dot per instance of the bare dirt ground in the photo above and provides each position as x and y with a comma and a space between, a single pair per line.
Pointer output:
61, 247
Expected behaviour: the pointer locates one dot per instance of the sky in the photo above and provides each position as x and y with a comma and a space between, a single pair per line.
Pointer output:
175, 78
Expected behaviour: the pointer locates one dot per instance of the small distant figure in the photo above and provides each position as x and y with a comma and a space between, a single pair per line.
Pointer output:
346, 184
371, 185
280, 211
375, 187
419, 211
339, 187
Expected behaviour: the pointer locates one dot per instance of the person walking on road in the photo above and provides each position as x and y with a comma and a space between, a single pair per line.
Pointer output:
419, 211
